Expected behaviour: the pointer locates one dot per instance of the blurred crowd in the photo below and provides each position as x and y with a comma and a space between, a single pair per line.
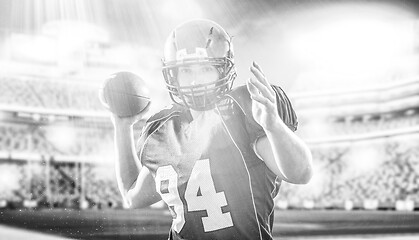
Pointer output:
50, 94
68, 164
382, 172
54, 140
59, 185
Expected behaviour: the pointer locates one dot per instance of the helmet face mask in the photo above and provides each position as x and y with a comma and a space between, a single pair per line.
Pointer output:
199, 42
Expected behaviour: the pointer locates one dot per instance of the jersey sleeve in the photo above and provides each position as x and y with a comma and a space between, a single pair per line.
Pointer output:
146, 131
153, 124
285, 110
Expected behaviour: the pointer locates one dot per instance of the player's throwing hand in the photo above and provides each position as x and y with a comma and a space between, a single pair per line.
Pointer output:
264, 101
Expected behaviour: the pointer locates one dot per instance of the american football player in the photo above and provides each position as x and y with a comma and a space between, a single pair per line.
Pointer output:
217, 156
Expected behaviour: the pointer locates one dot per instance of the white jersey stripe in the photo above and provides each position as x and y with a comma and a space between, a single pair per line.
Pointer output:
247, 170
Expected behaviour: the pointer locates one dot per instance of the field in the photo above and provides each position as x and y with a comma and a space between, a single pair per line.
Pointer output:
154, 224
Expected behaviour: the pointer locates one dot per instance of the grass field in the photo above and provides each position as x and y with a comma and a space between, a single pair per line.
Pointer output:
154, 224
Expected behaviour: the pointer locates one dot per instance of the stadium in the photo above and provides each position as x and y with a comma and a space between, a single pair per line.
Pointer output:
350, 68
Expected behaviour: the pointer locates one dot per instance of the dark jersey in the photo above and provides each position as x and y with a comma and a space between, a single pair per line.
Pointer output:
207, 171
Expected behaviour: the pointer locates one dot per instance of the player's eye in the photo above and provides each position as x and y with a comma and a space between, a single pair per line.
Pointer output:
185, 70
207, 69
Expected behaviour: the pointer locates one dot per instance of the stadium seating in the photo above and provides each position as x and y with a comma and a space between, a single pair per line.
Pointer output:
375, 125
101, 190
48, 93
41, 140
360, 125
394, 178
57, 177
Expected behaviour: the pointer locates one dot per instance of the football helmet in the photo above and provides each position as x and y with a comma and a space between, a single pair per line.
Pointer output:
198, 42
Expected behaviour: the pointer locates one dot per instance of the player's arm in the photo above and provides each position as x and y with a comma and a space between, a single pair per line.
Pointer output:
142, 192
282, 150
134, 181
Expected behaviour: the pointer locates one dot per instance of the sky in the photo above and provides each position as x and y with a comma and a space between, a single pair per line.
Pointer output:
300, 45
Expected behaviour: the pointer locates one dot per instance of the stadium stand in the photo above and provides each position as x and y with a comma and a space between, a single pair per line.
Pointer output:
100, 189
45, 140
363, 160
345, 175
48, 93
13, 173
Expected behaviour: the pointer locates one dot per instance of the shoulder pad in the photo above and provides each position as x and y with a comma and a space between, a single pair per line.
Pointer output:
154, 122
165, 113
241, 96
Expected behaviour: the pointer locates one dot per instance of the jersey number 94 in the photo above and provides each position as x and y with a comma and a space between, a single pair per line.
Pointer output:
200, 195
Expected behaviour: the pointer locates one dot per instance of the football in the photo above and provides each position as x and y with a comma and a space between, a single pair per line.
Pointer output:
124, 94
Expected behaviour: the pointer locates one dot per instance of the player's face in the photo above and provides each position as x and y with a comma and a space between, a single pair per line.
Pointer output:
197, 74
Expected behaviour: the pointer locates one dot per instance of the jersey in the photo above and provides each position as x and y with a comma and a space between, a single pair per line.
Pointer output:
207, 171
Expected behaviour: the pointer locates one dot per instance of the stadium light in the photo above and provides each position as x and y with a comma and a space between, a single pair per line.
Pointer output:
316, 186
364, 159
181, 10
33, 48
356, 44
56, 41
74, 34
123, 55
318, 127
62, 137
9, 177
359, 40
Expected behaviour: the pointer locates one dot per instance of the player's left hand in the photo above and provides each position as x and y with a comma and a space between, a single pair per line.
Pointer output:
264, 103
